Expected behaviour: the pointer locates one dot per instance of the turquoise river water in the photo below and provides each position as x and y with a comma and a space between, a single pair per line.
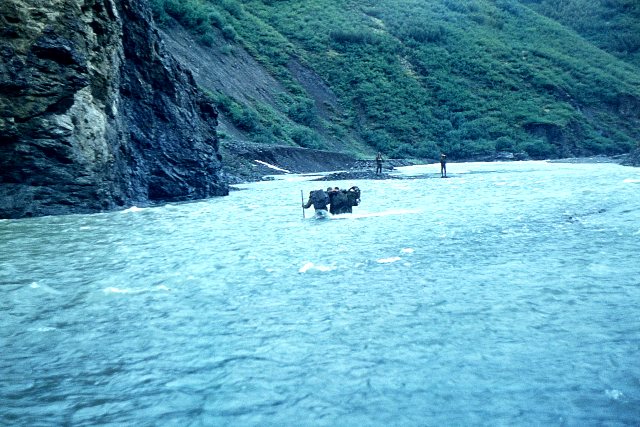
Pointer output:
507, 294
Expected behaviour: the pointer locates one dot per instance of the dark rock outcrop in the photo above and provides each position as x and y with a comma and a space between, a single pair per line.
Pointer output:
94, 114
633, 159
356, 174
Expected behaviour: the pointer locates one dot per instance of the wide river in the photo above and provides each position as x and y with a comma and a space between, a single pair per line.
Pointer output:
508, 294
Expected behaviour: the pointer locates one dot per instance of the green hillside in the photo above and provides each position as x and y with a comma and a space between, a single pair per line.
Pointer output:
413, 78
612, 25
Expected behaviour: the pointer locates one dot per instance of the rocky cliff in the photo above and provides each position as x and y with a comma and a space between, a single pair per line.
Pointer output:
94, 114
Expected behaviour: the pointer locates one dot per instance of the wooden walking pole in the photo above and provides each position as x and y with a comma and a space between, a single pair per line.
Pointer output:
302, 198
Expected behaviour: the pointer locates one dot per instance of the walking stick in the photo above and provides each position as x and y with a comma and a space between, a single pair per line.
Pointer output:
302, 198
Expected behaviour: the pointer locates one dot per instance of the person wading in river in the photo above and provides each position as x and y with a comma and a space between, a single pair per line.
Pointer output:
319, 199
333, 192
443, 165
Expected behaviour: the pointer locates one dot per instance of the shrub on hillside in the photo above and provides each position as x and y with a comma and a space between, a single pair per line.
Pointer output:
505, 143
215, 19
159, 13
354, 37
425, 34
302, 111
540, 149
247, 119
242, 116
229, 33
426, 150
377, 139
207, 39
234, 7
305, 137
194, 15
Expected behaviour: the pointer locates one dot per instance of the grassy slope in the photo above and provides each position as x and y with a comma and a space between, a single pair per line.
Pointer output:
416, 77
612, 25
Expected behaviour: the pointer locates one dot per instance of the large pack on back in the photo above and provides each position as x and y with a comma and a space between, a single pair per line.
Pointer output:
320, 199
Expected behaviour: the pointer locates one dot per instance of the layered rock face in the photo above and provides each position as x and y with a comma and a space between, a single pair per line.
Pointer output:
94, 114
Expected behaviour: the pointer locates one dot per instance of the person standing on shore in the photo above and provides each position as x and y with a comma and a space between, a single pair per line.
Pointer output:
379, 163
443, 165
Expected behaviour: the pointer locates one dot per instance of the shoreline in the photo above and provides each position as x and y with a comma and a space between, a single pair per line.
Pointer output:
260, 163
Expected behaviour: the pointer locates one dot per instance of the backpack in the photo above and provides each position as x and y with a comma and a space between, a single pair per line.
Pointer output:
320, 199
353, 194
340, 198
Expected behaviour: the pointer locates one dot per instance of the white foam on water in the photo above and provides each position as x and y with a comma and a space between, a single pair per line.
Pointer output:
305, 267
407, 251
112, 290
45, 288
42, 329
389, 260
600, 269
631, 180
132, 209
311, 266
614, 394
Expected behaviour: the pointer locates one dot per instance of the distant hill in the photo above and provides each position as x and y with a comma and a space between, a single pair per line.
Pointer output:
413, 78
